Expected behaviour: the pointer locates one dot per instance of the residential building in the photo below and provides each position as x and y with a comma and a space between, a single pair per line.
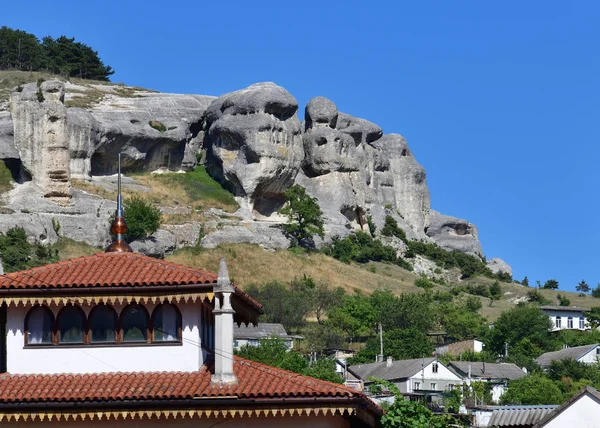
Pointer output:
588, 354
580, 411
457, 348
567, 317
497, 374
252, 334
124, 340
422, 376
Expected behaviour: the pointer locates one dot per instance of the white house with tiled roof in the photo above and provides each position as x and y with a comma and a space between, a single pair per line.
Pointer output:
567, 317
121, 339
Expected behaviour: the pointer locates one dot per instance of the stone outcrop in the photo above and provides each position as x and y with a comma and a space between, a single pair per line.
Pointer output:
497, 265
454, 234
254, 146
40, 136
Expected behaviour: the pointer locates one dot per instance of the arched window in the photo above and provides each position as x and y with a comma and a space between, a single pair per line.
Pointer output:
581, 323
39, 324
134, 324
166, 323
557, 322
103, 324
570, 322
71, 324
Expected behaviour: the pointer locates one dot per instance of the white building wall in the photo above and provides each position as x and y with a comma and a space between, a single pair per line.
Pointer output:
564, 316
443, 378
477, 345
187, 356
583, 413
591, 357
498, 391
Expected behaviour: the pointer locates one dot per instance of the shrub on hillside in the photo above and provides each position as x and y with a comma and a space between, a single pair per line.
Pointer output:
143, 218
390, 228
19, 254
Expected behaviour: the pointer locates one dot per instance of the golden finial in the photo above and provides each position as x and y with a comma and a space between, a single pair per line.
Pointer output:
119, 226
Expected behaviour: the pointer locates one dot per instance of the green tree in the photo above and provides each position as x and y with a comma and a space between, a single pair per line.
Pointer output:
533, 389
525, 282
596, 292
274, 352
551, 284
495, 292
459, 322
593, 317
143, 218
305, 218
18, 253
583, 288
400, 344
563, 300
410, 414
355, 316
473, 304
390, 228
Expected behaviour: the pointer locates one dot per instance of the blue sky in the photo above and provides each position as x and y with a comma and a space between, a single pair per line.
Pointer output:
498, 100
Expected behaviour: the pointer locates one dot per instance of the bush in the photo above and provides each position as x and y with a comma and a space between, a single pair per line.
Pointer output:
157, 125
596, 292
19, 254
390, 228
563, 300
305, 218
143, 218
424, 283
535, 296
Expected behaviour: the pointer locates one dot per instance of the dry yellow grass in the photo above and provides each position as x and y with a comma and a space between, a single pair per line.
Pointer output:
69, 249
250, 264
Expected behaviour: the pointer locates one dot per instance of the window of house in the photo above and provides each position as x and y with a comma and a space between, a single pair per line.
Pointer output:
134, 324
71, 325
557, 322
570, 322
417, 385
433, 386
166, 323
103, 324
434, 367
39, 324
581, 323
450, 386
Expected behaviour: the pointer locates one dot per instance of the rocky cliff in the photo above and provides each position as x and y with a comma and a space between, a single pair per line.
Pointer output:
250, 140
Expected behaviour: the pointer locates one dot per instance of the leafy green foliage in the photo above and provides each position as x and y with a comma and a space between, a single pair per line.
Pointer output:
563, 300
495, 291
390, 228
473, 304
19, 254
469, 265
424, 283
459, 322
275, 353
362, 248
583, 288
159, 126
525, 282
593, 316
526, 330
398, 343
534, 296
372, 226
533, 389
23, 51
410, 414
551, 284
143, 218
596, 292
305, 218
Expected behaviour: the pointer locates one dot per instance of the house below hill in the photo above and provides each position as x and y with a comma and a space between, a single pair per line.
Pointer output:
580, 411
251, 335
567, 317
495, 374
587, 354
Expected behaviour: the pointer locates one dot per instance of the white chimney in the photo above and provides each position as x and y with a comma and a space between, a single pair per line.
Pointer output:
223, 329
388, 363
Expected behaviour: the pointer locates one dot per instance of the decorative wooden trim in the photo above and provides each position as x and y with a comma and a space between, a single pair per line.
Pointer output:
112, 415
94, 300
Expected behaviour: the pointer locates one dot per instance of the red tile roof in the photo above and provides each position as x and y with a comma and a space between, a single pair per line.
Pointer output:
255, 380
106, 270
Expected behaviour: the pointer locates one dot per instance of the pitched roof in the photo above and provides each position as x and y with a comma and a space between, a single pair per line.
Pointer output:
519, 416
106, 270
399, 369
573, 353
564, 308
588, 390
508, 371
255, 380
261, 331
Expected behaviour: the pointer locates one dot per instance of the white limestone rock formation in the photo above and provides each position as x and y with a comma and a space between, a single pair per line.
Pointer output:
454, 234
254, 145
497, 265
40, 136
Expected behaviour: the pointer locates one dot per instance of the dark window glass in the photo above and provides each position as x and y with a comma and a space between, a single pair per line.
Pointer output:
134, 323
166, 323
40, 322
103, 324
71, 321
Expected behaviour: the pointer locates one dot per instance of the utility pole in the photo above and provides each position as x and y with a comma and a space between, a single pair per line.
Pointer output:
380, 342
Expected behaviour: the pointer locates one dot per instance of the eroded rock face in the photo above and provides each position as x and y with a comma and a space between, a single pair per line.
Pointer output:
498, 265
40, 136
253, 144
454, 234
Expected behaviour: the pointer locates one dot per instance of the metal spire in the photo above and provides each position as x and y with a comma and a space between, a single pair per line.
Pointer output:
119, 226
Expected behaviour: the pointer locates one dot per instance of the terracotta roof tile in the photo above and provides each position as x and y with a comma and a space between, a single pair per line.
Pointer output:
255, 380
